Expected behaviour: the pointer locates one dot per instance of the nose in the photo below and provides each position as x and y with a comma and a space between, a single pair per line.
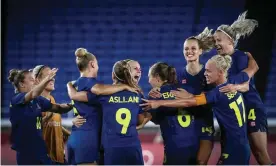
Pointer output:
216, 43
138, 70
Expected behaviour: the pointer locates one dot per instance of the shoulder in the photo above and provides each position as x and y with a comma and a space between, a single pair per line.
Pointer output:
239, 54
169, 87
18, 98
52, 99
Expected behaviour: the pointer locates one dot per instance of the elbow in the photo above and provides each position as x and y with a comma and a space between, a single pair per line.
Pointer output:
257, 67
72, 97
96, 91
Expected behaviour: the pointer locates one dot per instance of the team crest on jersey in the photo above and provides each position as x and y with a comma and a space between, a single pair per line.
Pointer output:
231, 95
38, 106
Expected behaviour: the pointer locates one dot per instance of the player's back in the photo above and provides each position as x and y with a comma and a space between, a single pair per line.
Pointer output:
230, 112
88, 110
120, 113
83, 143
177, 125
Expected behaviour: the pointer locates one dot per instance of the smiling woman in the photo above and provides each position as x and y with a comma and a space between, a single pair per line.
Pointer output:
192, 77
54, 134
228, 108
135, 69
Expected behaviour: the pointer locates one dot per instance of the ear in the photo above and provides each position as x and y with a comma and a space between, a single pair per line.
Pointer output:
157, 78
230, 41
21, 84
200, 51
221, 73
92, 64
113, 76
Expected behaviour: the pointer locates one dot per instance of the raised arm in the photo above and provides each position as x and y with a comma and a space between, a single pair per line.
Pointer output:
248, 67
252, 66
38, 89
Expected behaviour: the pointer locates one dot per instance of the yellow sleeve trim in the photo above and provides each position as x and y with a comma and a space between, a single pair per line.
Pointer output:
52, 99
200, 99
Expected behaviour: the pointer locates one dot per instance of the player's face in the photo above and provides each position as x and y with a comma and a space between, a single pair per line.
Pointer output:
153, 80
135, 71
51, 85
224, 44
28, 82
211, 72
191, 50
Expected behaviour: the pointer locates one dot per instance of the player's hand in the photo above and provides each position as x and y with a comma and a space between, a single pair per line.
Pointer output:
140, 126
52, 74
181, 94
150, 104
66, 106
228, 88
155, 93
78, 121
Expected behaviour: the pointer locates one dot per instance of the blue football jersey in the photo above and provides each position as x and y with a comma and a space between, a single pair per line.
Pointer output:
177, 124
26, 119
196, 84
120, 117
88, 110
229, 110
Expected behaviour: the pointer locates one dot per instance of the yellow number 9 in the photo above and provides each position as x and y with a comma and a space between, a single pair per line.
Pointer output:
181, 114
124, 122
